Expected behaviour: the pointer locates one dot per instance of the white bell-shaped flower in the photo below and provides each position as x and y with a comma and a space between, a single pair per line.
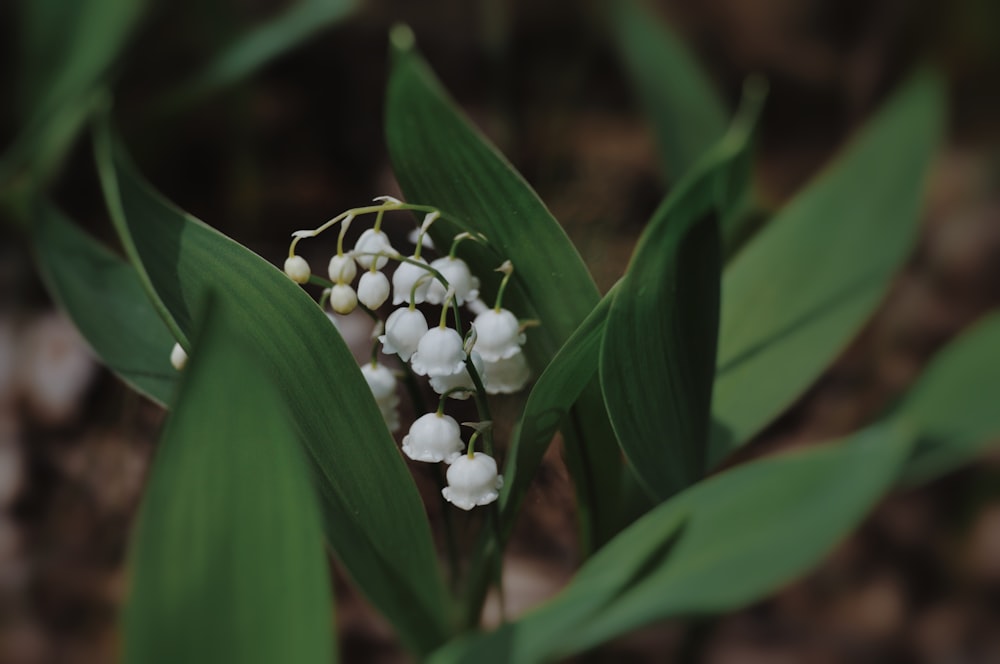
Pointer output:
373, 289
459, 276
434, 437
373, 242
473, 481
404, 328
442, 384
508, 375
178, 357
408, 275
343, 299
439, 353
477, 306
498, 335
342, 269
297, 269
382, 382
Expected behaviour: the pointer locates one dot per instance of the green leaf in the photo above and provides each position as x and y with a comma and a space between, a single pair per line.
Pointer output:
796, 294
262, 44
716, 547
106, 301
954, 404
67, 49
680, 100
227, 561
441, 160
373, 516
657, 359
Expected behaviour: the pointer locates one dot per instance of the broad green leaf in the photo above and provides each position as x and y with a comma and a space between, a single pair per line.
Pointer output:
658, 351
680, 100
373, 516
106, 301
228, 562
67, 49
441, 160
718, 546
261, 44
796, 294
954, 404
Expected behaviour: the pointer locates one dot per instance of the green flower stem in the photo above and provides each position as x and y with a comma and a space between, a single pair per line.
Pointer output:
320, 281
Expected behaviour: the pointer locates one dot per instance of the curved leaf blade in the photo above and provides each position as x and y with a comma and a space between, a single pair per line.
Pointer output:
261, 44
372, 511
796, 294
691, 555
441, 160
679, 98
954, 404
657, 358
106, 301
227, 497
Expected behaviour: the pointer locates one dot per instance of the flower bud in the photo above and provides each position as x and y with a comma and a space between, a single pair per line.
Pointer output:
373, 289
442, 384
178, 357
342, 269
343, 299
297, 269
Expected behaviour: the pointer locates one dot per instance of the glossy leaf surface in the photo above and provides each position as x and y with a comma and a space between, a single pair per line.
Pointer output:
105, 299
373, 516
228, 561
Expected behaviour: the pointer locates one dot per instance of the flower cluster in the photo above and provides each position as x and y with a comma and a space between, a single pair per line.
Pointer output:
486, 358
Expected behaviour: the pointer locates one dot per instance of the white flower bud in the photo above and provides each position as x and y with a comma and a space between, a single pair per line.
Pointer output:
477, 306
508, 375
459, 277
297, 269
178, 357
432, 438
373, 242
472, 481
404, 328
442, 384
342, 269
373, 289
343, 299
439, 353
498, 335
404, 278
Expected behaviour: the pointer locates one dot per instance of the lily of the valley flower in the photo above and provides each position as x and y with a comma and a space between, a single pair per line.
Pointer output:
178, 357
439, 353
498, 335
459, 276
404, 328
444, 384
434, 437
343, 299
508, 375
342, 269
370, 243
472, 481
382, 382
373, 289
410, 279
297, 269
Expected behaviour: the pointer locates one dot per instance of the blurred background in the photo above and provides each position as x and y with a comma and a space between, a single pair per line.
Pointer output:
301, 139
